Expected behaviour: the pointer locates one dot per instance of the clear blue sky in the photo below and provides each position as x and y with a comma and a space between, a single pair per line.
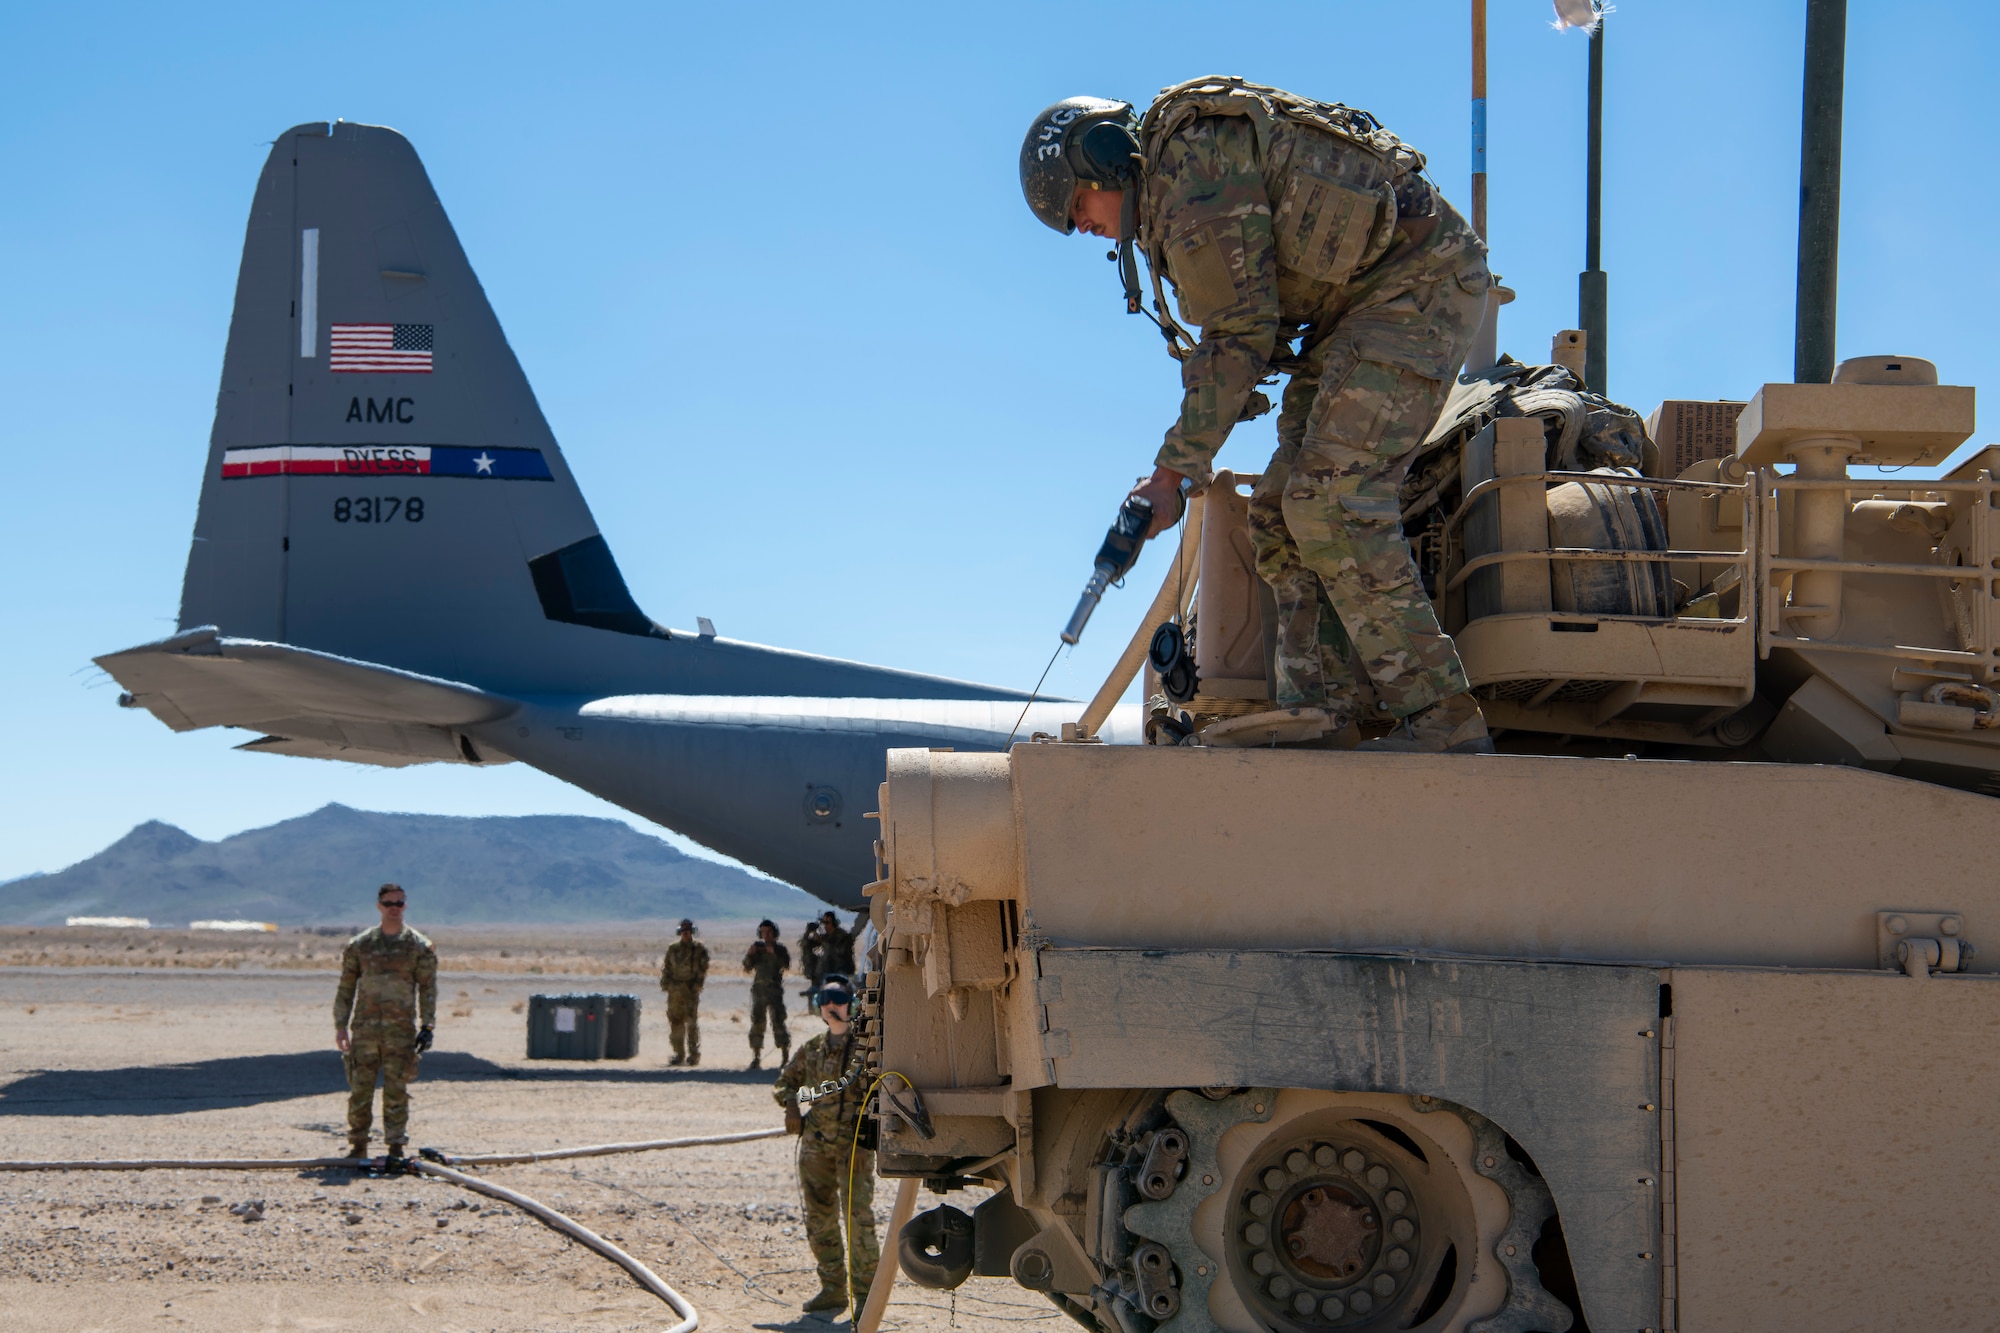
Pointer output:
822, 376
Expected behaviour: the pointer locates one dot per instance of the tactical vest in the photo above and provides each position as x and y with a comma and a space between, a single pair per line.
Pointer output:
1336, 195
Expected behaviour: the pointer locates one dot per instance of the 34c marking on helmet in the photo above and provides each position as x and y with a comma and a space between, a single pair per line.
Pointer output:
1053, 130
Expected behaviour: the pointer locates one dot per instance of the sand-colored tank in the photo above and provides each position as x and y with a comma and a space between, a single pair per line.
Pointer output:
1672, 1015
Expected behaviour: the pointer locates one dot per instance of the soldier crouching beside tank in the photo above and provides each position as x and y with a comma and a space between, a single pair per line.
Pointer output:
766, 962
826, 1133
682, 975
383, 1015
1279, 218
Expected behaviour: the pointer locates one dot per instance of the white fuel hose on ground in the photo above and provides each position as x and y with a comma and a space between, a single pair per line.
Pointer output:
607, 1149
644, 1276
690, 1319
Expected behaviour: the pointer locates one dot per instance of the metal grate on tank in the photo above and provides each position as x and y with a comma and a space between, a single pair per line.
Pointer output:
1569, 692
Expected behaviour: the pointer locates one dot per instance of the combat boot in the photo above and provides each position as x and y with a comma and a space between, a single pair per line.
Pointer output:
357, 1148
756, 1059
676, 1061
830, 1298
695, 1059
1450, 726
784, 1056
394, 1159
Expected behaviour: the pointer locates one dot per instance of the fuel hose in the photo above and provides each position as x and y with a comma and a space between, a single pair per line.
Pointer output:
443, 1169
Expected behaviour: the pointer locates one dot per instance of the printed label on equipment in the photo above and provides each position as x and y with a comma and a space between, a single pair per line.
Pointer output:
565, 1018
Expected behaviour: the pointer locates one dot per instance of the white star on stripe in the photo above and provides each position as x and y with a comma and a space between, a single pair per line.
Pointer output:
484, 462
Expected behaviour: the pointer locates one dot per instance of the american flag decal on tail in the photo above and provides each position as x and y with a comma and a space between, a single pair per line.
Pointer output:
380, 349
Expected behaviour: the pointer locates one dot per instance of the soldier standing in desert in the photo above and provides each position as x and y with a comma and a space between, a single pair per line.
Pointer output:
831, 1167
383, 1015
766, 962
682, 975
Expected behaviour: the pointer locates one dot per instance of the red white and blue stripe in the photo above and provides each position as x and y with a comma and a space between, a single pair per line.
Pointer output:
385, 460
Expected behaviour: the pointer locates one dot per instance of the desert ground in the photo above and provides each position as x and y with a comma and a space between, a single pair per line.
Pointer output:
127, 1044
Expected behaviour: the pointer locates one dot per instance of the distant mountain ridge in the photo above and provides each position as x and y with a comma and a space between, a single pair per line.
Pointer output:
323, 868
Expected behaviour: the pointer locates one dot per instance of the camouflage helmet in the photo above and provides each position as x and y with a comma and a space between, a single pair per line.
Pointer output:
1087, 140
687, 924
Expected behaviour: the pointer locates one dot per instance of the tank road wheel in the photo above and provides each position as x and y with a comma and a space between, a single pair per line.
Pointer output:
1359, 1211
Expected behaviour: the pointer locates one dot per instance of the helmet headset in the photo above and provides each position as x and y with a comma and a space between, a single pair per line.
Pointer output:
1078, 141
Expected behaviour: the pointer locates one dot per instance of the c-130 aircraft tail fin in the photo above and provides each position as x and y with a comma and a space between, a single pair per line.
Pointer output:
381, 483
390, 547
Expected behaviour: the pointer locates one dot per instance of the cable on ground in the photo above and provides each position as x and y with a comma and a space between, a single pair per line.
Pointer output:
690, 1318
583, 1235
846, 1201
607, 1149
328, 1163
751, 1285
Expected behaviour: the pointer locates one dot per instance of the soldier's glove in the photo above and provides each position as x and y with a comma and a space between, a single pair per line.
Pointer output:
794, 1122
424, 1038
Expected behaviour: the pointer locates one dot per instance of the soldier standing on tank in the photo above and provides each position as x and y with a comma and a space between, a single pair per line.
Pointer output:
1279, 219
766, 962
383, 1016
826, 1133
682, 975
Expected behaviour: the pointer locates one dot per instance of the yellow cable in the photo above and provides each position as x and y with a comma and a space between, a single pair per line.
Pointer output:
847, 1203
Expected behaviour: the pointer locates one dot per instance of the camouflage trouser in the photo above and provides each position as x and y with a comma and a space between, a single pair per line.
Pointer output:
684, 1021
768, 1004
395, 1059
822, 1181
1325, 520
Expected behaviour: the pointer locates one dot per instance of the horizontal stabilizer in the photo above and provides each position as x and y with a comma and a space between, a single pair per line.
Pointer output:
311, 703
400, 748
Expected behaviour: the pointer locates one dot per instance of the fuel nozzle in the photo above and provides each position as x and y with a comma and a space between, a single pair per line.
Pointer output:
1114, 560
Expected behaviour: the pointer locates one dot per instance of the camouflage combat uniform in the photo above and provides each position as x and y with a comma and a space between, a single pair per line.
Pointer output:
385, 982
767, 996
809, 962
824, 1146
1273, 230
823, 951
836, 951
682, 975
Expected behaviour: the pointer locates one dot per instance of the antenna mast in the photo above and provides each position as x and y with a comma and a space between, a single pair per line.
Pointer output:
1819, 190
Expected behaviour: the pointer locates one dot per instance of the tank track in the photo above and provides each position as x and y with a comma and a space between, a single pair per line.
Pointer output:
1530, 1205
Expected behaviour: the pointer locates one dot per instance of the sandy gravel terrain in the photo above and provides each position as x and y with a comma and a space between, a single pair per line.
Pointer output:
582, 951
103, 1059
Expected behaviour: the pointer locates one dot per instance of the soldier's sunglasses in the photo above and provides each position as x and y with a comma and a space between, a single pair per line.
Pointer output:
396, 903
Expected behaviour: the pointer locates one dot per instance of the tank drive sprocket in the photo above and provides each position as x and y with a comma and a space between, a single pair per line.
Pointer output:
1167, 1224
1318, 1212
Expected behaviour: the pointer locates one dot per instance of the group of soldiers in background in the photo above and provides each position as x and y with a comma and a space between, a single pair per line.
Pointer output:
385, 1010
825, 950
832, 1166
826, 1128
